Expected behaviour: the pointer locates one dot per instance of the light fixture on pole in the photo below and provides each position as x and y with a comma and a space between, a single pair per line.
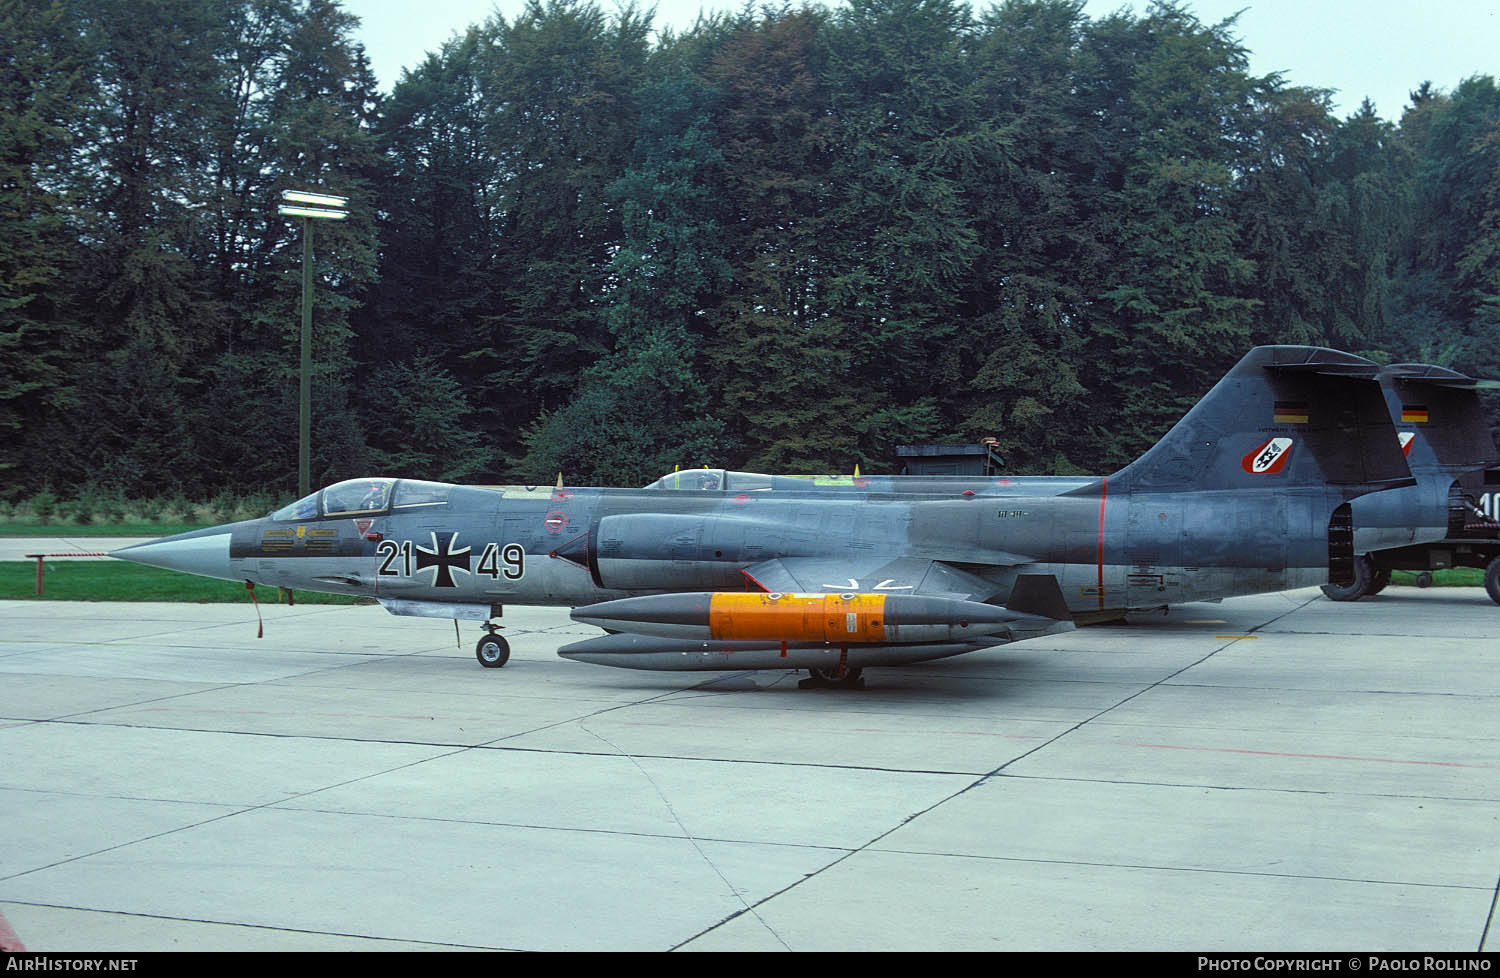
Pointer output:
310, 207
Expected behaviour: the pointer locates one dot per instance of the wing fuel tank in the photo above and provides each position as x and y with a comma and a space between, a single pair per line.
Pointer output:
831, 619
675, 654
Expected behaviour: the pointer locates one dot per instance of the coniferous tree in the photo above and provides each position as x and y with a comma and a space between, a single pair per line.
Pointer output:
45, 89
910, 141
787, 239
781, 376
642, 409
559, 95
1179, 304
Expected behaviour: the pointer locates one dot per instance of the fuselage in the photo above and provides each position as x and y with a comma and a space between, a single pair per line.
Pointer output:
480, 547
1393, 518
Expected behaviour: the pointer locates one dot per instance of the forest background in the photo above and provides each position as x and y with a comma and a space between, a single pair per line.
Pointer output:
787, 240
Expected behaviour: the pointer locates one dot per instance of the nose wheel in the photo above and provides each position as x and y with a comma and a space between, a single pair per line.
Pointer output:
493, 651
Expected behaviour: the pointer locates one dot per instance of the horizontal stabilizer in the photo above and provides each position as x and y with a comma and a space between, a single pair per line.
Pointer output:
1438, 415
1428, 373
1314, 359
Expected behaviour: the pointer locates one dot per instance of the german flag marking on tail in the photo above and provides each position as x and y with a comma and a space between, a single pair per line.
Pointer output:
1290, 412
1414, 413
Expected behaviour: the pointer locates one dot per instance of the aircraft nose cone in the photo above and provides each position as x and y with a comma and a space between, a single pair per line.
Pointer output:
202, 552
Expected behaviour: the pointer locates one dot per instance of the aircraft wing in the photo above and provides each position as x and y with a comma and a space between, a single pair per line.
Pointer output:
878, 575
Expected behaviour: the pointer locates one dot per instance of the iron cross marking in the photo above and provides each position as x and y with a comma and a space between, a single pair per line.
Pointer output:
443, 556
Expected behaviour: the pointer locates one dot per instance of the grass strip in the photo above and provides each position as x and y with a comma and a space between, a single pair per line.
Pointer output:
115, 580
97, 529
1454, 577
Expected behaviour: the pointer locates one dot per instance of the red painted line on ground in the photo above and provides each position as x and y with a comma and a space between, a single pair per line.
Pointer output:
8, 939
1103, 497
1316, 757
303, 713
859, 730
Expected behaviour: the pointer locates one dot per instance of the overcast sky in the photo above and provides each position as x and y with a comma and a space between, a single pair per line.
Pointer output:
1377, 48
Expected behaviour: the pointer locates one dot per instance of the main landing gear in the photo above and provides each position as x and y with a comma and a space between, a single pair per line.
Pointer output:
1368, 579
493, 651
836, 677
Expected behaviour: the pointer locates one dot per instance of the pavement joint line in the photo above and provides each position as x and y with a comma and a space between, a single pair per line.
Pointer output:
700, 691
239, 810
999, 770
1269, 789
1489, 920
267, 927
79, 716
1211, 870
684, 836
667, 803
1165, 680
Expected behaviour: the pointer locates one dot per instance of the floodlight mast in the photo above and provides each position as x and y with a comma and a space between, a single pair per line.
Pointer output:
309, 207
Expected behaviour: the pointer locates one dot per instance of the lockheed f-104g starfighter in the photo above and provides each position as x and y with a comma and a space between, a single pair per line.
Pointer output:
1248, 493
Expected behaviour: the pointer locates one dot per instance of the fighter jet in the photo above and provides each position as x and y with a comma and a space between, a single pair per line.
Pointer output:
1248, 493
1447, 519
1451, 517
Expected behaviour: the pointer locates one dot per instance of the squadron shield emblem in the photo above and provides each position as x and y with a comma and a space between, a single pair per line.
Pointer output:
1269, 458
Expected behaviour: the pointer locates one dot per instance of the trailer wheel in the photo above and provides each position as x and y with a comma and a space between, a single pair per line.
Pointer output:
1492, 580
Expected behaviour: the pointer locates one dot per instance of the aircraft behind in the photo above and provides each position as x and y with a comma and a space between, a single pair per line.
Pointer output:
1450, 517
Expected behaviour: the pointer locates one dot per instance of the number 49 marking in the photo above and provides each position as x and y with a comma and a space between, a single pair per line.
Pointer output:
509, 560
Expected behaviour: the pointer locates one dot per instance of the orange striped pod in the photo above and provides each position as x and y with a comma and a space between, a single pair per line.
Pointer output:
838, 619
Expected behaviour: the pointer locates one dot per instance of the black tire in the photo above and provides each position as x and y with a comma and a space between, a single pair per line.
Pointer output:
1424, 579
492, 651
831, 675
1492, 580
1364, 572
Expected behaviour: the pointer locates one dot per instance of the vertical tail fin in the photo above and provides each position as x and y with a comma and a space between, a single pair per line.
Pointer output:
1440, 420
1283, 417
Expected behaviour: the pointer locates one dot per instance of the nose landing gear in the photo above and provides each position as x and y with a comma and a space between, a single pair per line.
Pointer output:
493, 651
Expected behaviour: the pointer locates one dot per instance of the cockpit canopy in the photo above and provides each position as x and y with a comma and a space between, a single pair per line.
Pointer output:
727, 480
691, 479
363, 497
